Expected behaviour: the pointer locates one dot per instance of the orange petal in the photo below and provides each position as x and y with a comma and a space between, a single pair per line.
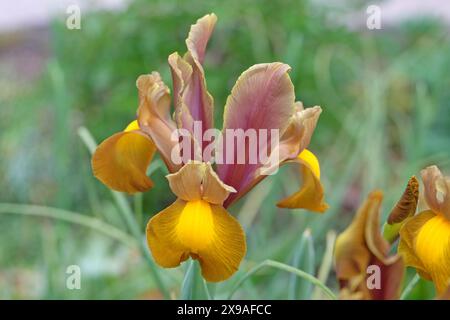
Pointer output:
121, 161
408, 233
201, 230
311, 194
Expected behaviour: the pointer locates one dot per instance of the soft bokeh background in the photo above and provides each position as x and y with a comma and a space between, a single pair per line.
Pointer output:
386, 101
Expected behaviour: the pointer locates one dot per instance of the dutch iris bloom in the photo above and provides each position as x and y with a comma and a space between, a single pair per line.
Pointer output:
197, 224
361, 245
425, 237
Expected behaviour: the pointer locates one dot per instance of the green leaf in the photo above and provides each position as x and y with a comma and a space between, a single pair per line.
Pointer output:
194, 286
304, 258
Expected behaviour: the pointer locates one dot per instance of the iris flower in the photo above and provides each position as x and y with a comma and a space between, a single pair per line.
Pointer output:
361, 245
425, 237
197, 224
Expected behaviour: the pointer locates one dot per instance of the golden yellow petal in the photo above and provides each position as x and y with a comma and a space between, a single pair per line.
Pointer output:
121, 161
311, 194
166, 248
201, 230
432, 247
408, 235
221, 259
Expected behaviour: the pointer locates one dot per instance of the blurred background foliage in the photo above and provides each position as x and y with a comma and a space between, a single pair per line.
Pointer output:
385, 96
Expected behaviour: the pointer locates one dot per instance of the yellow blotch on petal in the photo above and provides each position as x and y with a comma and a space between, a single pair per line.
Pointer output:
134, 125
121, 161
195, 226
308, 157
311, 194
432, 247
200, 230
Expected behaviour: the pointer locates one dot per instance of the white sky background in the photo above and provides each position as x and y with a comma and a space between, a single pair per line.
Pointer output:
22, 14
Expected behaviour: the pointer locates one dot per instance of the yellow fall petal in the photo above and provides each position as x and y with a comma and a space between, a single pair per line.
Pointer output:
425, 245
311, 194
200, 230
121, 161
433, 249
408, 233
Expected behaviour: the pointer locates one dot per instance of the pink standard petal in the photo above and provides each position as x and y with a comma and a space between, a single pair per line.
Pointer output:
192, 99
262, 98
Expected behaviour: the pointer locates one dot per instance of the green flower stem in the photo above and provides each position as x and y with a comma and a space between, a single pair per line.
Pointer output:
128, 216
287, 268
327, 262
194, 286
187, 287
69, 216
138, 201
207, 292
410, 287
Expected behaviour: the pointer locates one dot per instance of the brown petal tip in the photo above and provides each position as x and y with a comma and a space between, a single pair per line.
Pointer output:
406, 206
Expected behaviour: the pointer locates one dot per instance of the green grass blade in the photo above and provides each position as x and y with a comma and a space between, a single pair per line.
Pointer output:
69, 216
287, 268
